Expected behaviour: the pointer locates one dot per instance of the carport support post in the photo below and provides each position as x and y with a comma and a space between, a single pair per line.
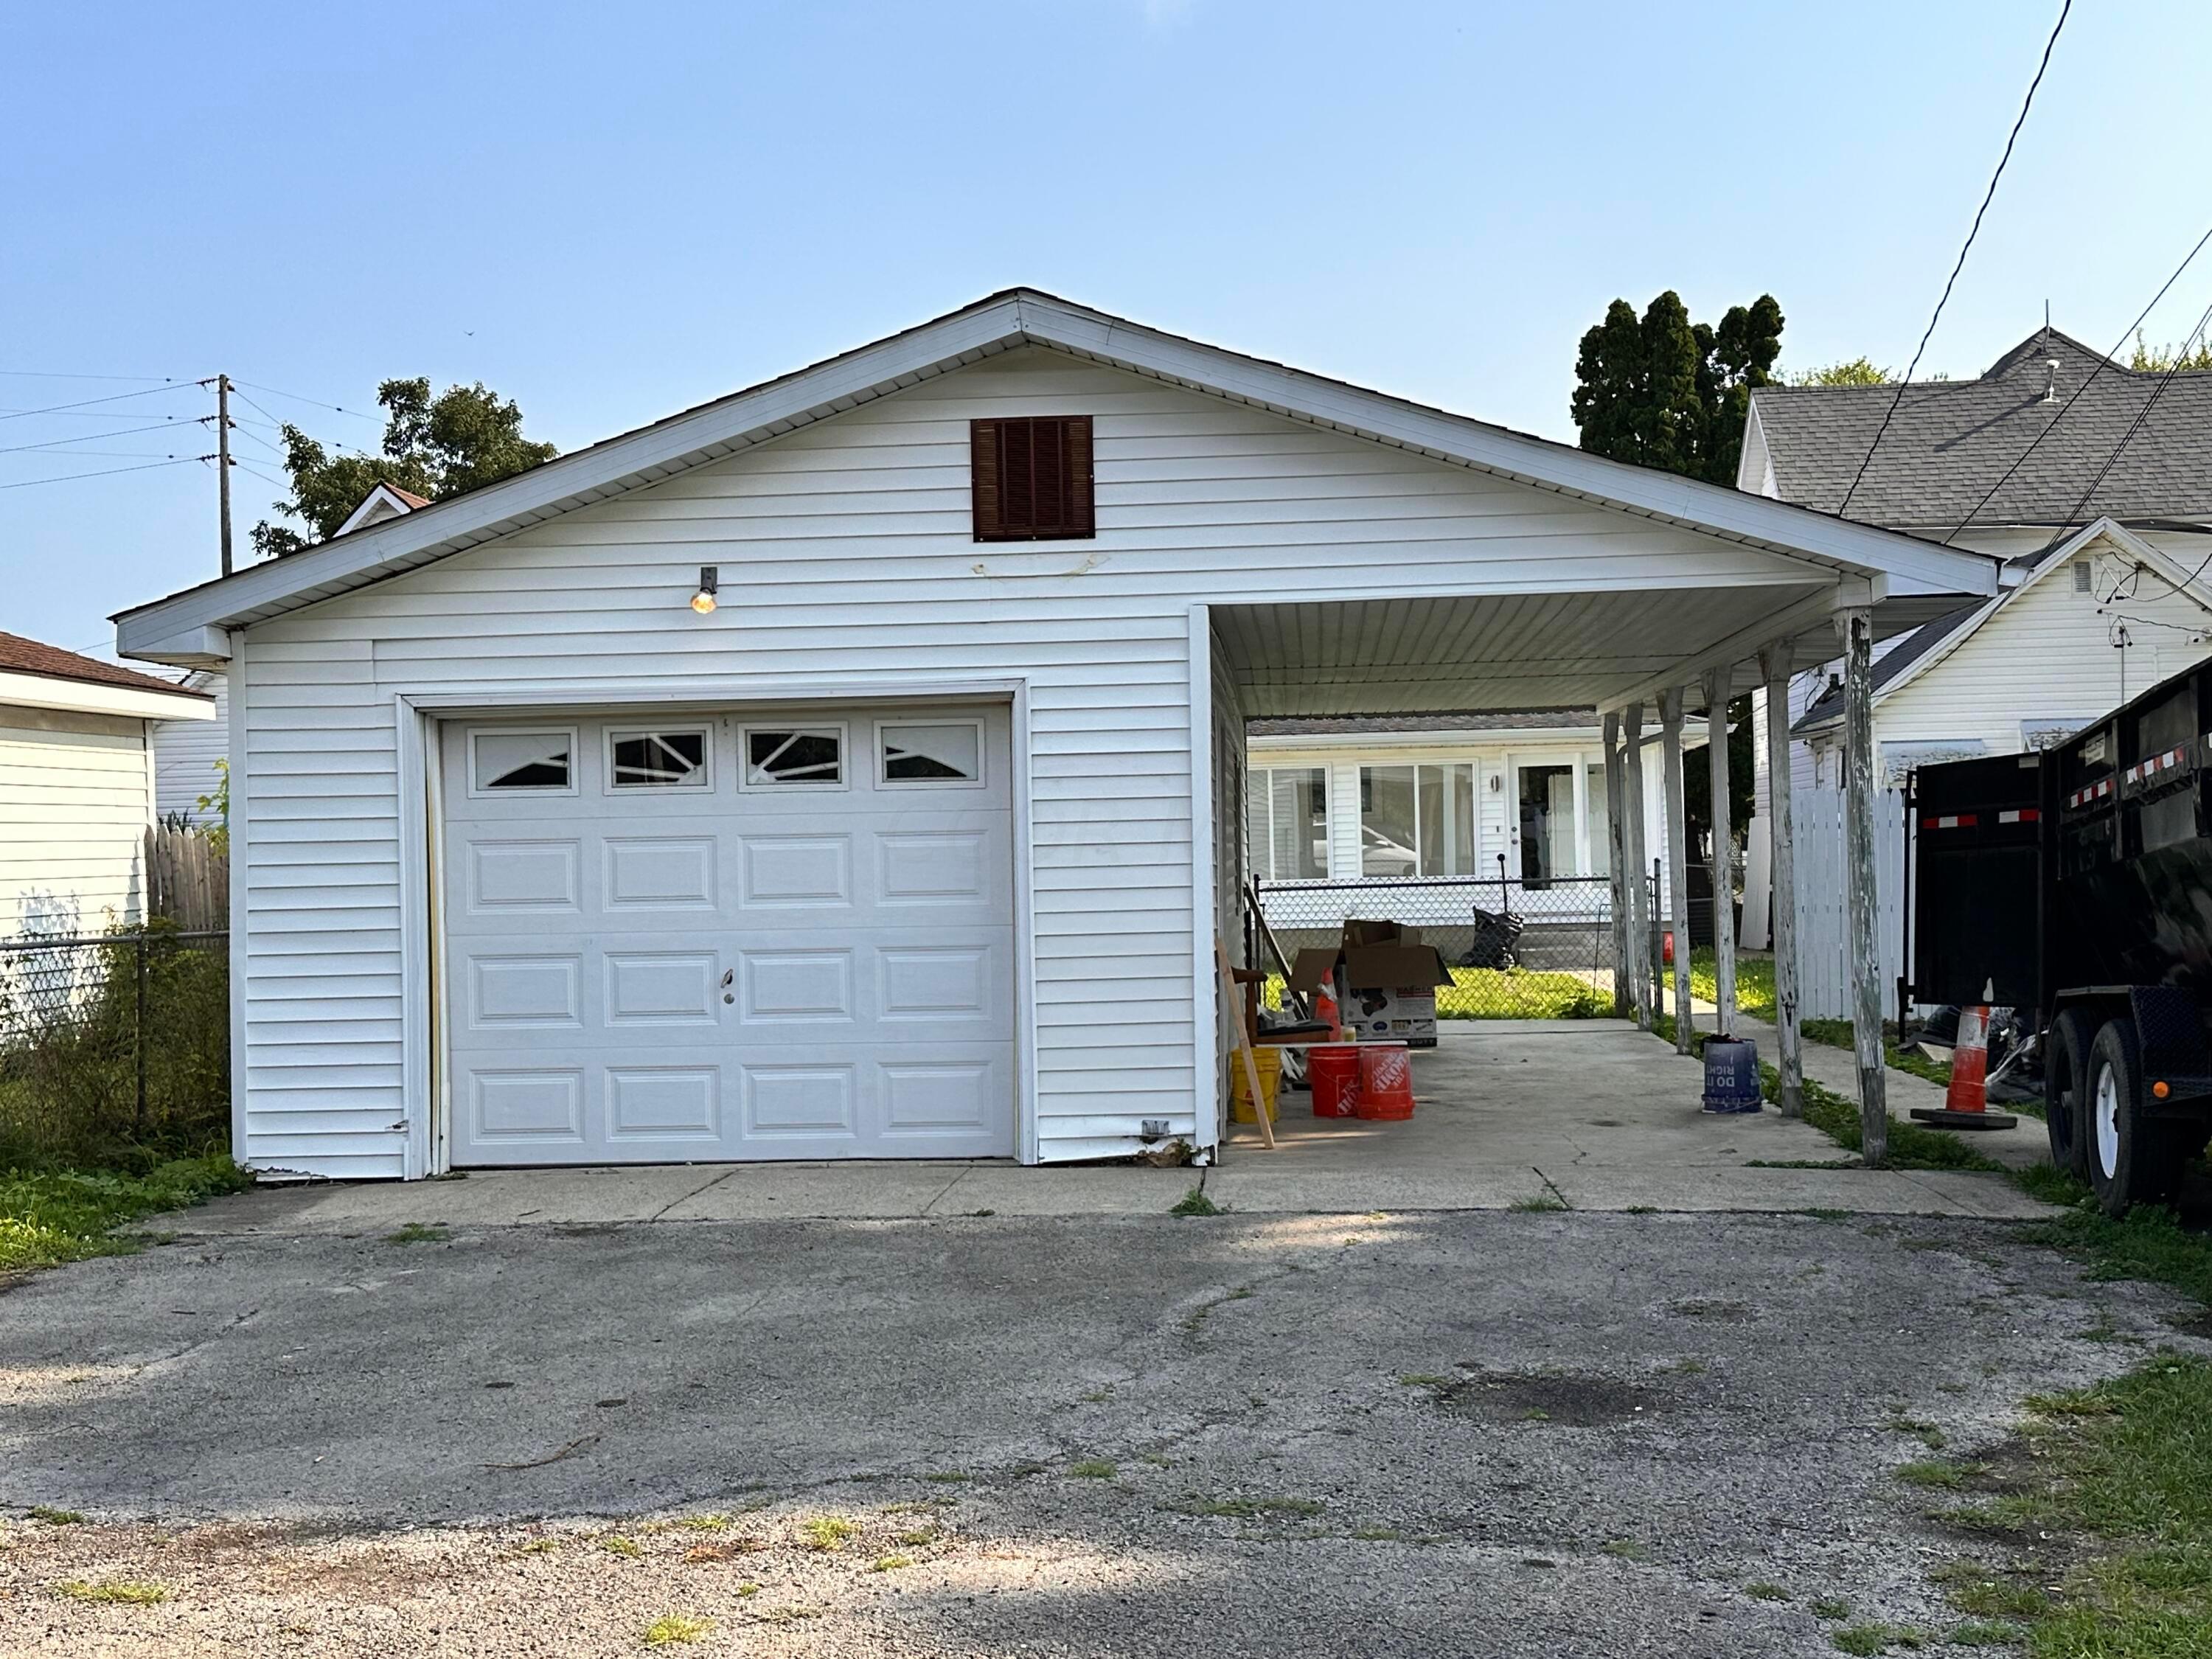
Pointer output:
1617, 865
1774, 669
1678, 861
1717, 681
1632, 836
1856, 627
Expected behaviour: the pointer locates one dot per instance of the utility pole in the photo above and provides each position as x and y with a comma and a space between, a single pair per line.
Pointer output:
223, 460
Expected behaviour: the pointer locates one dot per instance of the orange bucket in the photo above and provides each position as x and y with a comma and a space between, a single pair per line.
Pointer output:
1386, 1081
1333, 1072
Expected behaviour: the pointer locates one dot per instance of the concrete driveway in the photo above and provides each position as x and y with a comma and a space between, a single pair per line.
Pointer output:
1471, 1432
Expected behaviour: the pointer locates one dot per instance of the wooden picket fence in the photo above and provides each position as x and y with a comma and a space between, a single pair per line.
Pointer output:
1823, 927
187, 880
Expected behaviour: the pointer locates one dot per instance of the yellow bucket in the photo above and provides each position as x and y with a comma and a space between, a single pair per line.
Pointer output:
1269, 1061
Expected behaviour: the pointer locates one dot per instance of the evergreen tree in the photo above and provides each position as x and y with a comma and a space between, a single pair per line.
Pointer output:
1662, 391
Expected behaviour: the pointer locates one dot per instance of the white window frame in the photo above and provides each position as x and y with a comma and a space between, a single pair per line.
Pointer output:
1268, 769
1478, 765
885, 780
535, 791
843, 729
703, 783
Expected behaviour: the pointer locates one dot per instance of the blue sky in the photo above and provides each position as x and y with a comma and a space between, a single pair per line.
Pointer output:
610, 213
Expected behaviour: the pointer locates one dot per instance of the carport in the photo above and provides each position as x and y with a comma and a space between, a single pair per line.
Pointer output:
1657, 660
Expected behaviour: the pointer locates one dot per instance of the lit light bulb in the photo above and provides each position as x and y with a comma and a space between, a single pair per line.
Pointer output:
710, 583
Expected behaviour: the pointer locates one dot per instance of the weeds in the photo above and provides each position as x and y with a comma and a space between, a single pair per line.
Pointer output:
1092, 1469
1194, 1202
1932, 1471
616, 1545
54, 1518
1540, 1201
419, 1233
50, 1217
133, 1592
827, 1534
671, 1627
890, 1563
1764, 1591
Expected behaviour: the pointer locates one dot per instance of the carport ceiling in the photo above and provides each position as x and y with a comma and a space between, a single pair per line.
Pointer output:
1475, 655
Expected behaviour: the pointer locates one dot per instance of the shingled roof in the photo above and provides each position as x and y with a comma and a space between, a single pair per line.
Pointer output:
21, 656
1952, 440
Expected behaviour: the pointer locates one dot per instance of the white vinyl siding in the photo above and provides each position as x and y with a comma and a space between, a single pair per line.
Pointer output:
75, 797
846, 557
2045, 655
186, 751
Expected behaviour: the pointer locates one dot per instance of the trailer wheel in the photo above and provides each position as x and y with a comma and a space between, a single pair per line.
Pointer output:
2066, 1092
2133, 1159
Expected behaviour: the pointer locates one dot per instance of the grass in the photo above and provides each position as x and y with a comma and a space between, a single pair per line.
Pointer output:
1754, 982
827, 1534
2150, 1244
1502, 994
53, 1517
948, 1477
1092, 1469
2125, 1468
418, 1232
1874, 1638
52, 1216
671, 1627
620, 1545
132, 1592
1984, 1633
1934, 1473
1540, 1201
1912, 1145
1830, 1607
1194, 1202
890, 1563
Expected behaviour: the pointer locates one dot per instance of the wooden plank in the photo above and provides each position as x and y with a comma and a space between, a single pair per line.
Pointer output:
1856, 627
1617, 865
1790, 1061
1678, 861
1717, 681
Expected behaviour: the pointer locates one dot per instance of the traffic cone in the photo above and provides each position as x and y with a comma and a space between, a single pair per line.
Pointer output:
1965, 1103
1970, 1062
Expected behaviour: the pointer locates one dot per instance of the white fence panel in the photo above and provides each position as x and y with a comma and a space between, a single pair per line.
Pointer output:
1816, 817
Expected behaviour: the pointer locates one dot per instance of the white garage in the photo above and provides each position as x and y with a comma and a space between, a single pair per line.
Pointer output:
772, 933
850, 767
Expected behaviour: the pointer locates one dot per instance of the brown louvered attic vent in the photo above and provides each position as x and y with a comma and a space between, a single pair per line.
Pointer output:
1032, 478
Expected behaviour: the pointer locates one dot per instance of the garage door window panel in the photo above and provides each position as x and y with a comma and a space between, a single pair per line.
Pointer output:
660, 758
794, 757
539, 761
943, 754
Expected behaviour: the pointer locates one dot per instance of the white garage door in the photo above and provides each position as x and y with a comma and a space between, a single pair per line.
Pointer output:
730, 935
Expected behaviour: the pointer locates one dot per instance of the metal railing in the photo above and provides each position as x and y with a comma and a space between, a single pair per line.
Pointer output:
112, 1042
1517, 949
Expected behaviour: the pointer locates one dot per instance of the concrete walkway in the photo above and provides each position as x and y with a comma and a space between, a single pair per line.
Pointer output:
1588, 1114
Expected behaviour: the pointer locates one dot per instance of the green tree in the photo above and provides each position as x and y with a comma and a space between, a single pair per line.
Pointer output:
2156, 360
436, 446
1662, 391
1697, 774
1858, 371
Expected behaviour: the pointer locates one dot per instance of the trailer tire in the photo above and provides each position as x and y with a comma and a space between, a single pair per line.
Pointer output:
2133, 1159
2066, 1092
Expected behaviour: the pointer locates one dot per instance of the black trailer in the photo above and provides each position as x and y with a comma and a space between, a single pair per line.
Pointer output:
2077, 884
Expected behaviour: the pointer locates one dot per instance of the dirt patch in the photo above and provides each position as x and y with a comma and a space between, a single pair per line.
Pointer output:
1577, 1402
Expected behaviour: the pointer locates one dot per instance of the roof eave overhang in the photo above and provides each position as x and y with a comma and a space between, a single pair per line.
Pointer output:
185, 628
59, 693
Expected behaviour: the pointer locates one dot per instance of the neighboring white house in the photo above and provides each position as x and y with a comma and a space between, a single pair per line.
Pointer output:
77, 786
2091, 480
853, 766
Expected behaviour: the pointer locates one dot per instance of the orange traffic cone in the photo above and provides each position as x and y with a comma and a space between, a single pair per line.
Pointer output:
1965, 1103
1970, 1063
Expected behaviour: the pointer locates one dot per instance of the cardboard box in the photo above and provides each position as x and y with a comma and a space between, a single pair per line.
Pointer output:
1385, 981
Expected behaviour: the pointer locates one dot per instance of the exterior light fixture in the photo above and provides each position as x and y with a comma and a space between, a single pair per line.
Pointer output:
710, 582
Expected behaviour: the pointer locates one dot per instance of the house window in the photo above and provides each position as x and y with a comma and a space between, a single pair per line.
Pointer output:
505, 760
658, 760
786, 757
1417, 820
945, 752
1031, 478
1286, 818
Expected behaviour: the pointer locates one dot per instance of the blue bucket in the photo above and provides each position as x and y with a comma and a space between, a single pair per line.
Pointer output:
1731, 1075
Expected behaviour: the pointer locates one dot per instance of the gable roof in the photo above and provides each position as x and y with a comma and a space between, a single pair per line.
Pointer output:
1926, 646
187, 627
386, 500
1952, 440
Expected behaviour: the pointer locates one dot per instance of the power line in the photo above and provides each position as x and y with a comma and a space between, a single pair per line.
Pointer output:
2141, 415
266, 477
2103, 363
117, 397
355, 413
96, 437
53, 375
123, 454
108, 472
111, 415
1973, 231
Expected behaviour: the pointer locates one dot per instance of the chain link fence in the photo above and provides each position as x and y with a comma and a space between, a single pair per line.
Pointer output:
114, 1046
1517, 949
